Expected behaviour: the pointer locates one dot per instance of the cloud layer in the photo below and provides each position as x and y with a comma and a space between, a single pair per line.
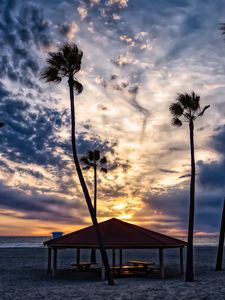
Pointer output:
137, 56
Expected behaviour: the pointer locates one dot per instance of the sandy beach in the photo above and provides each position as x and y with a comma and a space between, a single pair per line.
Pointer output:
23, 276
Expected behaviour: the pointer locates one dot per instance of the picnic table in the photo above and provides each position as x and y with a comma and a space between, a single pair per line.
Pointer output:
145, 265
82, 266
128, 270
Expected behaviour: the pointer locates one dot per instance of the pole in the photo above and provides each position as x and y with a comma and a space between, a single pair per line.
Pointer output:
78, 256
49, 269
113, 257
121, 258
54, 267
161, 263
181, 262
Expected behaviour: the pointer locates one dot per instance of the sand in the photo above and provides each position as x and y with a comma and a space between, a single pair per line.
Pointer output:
23, 276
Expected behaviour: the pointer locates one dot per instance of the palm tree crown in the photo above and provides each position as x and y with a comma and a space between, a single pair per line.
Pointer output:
93, 159
64, 63
186, 108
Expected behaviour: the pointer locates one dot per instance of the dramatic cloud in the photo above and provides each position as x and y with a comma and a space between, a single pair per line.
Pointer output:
137, 56
30, 134
69, 30
212, 174
40, 207
23, 31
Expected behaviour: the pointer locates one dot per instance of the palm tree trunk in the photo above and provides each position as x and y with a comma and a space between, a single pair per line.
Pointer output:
189, 264
84, 187
95, 190
219, 261
93, 252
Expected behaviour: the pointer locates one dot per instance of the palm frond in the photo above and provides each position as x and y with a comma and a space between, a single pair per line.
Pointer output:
78, 86
96, 155
195, 103
176, 122
50, 74
184, 100
103, 170
189, 101
84, 160
56, 60
67, 49
176, 109
65, 62
90, 155
203, 111
187, 115
86, 168
103, 160
73, 56
2, 124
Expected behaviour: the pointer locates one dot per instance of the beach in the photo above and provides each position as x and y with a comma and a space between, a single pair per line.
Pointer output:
23, 276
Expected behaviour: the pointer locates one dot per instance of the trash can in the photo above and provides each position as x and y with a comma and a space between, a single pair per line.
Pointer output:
56, 234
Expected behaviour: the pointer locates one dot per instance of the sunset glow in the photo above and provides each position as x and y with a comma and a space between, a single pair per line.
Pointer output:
135, 62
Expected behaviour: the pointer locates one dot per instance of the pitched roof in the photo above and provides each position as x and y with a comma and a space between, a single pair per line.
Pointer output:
116, 234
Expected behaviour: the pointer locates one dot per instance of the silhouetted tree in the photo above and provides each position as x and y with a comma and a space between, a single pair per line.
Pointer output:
93, 160
65, 64
2, 124
219, 260
186, 108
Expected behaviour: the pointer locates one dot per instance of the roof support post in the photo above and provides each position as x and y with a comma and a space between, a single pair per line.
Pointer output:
113, 258
121, 257
78, 255
161, 263
54, 266
93, 256
181, 262
49, 269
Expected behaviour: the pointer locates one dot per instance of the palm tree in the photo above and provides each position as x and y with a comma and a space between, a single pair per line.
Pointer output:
219, 260
186, 108
2, 124
93, 160
65, 64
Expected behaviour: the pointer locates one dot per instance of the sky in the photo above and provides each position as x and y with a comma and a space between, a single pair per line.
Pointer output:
138, 55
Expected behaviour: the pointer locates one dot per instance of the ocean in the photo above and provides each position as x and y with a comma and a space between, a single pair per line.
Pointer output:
37, 241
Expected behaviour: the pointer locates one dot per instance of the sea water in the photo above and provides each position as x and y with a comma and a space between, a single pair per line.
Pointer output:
37, 241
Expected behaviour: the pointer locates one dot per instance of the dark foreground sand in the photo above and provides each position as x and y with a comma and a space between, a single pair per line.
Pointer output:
23, 276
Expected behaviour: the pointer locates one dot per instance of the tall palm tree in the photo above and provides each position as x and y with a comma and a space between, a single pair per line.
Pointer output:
65, 64
219, 259
186, 108
94, 160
